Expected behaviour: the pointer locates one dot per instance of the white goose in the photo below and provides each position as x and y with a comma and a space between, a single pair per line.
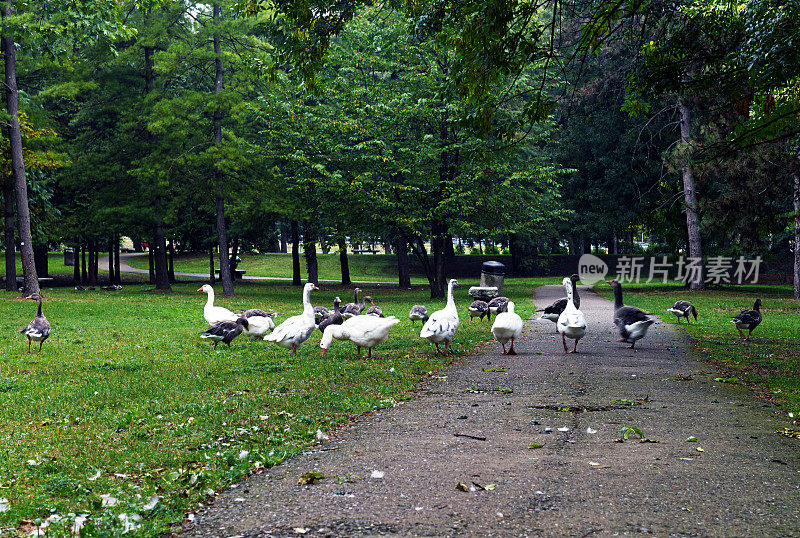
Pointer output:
215, 314
296, 329
571, 323
507, 326
363, 331
443, 324
259, 323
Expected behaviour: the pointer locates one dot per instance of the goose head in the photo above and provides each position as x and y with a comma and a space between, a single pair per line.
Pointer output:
206, 288
368, 299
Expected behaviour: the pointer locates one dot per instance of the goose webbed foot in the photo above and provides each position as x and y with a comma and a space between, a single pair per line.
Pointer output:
564, 341
511, 350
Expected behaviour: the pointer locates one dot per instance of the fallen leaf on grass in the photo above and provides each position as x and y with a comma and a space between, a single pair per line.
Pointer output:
727, 379
310, 477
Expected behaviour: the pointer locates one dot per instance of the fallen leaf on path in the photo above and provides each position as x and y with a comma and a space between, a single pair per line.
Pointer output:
310, 477
687, 459
594, 464
590, 431
536, 445
377, 474
461, 486
700, 449
563, 429
300, 530
691, 439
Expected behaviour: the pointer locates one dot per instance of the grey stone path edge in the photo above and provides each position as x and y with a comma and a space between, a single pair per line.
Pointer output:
473, 423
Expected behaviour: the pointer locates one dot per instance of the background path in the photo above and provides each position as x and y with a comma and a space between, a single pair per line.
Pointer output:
466, 426
125, 267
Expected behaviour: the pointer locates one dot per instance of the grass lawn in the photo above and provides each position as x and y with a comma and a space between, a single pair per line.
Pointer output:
377, 267
55, 265
127, 411
770, 362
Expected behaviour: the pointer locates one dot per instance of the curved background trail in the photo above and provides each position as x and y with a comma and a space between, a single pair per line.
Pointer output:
125, 267
474, 422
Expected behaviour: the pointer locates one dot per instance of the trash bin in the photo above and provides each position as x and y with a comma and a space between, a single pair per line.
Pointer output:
69, 256
492, 275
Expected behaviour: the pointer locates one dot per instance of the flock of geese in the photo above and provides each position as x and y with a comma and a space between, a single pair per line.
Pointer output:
366, 326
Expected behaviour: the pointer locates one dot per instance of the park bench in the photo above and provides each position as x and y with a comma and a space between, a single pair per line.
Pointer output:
360, 250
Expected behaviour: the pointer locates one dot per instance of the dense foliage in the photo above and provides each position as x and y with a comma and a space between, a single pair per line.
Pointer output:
543, 126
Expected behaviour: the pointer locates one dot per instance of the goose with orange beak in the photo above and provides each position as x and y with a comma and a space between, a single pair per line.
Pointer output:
296, 329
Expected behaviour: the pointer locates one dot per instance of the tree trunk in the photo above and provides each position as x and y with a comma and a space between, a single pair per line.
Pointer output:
211, 278
30, 279
76, 266
438, 238
690, 196
296, 280
84, 272
513, 249
310, 251
96, 263
284, 247
403, 272
159, 248
171, 261
344, 263
418, 247
158, 273
40, 259
449, 250
234, 263
797, 234
222, 236
10, 235
92, 263
151, 264
117, 273
111, 278
137, 245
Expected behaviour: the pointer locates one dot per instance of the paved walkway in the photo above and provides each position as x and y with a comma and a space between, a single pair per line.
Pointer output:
465, 426
125, 267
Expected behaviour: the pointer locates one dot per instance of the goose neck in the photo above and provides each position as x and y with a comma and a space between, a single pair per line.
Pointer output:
451, 303
38, 307
618, 296
210, 299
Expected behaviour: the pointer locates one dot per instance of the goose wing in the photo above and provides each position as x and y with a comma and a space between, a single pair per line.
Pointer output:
39, 327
